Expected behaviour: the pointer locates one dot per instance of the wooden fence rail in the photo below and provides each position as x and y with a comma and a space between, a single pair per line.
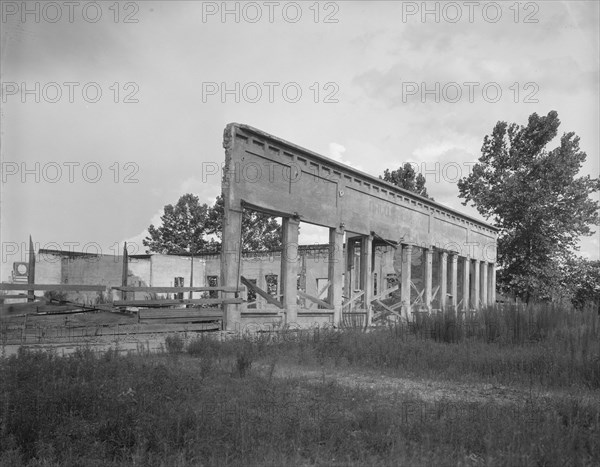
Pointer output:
148, 303
180, 301
176, 289
57, 287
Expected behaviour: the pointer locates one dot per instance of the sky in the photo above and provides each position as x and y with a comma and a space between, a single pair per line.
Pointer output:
112, 110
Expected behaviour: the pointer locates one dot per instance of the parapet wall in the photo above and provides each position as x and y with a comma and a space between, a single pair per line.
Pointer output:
273, 175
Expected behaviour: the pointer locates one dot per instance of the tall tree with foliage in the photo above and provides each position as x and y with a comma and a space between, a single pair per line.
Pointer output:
259, 231
191, 227
183, 229
406, 177
534, 196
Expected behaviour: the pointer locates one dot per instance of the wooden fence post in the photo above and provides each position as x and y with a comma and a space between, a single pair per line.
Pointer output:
31, 272
124, 274
192, 277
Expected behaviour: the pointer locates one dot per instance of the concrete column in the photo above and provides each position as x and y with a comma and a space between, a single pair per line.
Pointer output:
191, 294
475, 297
405, 280
366, 273
484, 283
454, 279
335, 272
428, 276
443, 279
289, 269
465, 284
348, 280
492, 294
231, 257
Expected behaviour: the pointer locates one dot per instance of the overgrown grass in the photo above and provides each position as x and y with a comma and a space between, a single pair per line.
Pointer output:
215, 404
111, 410
540, 346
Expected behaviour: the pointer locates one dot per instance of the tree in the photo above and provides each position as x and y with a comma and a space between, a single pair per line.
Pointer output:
183, 228
405, 177
259, 231
536, 200
583, 282
191, 227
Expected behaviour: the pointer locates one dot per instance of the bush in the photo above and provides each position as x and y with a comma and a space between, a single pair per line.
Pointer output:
204, 346
174, 344
55, 295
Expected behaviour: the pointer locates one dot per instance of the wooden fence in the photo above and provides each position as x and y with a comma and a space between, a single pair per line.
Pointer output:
149, 311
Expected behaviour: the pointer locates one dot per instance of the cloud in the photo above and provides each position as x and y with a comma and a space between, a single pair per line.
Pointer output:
138, 240
336, 152
589, 247
206, 192
434, 150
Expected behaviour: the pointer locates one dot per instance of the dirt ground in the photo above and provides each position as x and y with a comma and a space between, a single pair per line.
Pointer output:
427, 390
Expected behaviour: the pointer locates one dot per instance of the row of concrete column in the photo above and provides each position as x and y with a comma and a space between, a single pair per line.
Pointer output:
478, 281
475, 293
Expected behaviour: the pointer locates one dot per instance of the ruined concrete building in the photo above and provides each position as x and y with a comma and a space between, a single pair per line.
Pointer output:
455, 254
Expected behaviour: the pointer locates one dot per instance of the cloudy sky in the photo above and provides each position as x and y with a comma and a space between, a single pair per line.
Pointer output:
110, 111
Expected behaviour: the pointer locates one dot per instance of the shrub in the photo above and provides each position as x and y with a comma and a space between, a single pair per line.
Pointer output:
55, 295
204, 346
174, 344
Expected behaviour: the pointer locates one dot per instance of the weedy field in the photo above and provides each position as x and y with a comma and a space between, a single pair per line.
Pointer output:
513, 387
